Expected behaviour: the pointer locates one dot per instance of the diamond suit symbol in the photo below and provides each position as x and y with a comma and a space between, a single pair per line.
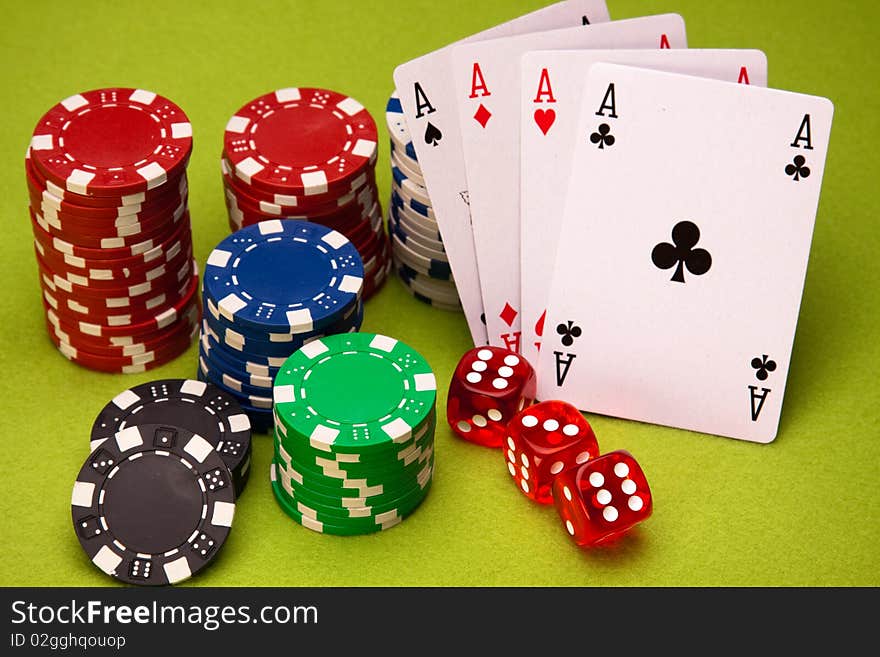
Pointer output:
483, 115
508, 314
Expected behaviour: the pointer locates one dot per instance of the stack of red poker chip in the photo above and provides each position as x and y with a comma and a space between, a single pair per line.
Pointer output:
106, 174
308, 154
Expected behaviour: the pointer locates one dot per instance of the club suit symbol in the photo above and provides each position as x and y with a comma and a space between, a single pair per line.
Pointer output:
681, 253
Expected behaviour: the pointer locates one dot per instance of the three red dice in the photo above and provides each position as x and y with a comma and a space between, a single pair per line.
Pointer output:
602, 498
489, 386
549, 448
543, 441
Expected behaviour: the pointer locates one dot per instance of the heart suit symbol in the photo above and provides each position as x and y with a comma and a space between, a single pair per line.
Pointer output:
545, 119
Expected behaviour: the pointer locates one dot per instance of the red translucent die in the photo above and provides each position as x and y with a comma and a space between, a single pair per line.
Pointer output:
603, 498
544, 440
489, 386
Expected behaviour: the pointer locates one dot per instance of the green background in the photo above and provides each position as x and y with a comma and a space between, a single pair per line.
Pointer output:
801, 511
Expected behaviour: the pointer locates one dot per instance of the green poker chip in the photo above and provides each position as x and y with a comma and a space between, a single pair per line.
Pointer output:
353, 507
378, 458
338, 494
339, 489
354, 393
395, 465
324, 523
331, 474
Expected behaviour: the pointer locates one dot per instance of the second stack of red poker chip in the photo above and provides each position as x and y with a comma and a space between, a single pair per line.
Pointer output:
106, 176
308, 154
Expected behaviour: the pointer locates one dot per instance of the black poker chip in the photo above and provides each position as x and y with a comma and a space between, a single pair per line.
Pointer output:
153, 505
200, 407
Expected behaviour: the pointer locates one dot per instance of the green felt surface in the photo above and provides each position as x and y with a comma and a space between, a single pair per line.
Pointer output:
801, 511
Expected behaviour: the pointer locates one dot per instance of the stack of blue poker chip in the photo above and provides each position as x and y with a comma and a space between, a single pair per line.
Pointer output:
269, 289
417, 247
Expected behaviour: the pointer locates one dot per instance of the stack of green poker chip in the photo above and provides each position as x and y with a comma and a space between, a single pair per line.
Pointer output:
354, 419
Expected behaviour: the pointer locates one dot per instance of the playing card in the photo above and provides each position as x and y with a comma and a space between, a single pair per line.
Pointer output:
425, 88
486, 78
549, 94
683, 250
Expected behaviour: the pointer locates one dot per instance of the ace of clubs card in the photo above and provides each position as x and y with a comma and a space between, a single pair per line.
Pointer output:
683, 250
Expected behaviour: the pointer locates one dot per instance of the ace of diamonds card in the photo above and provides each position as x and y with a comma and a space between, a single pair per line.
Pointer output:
683, 250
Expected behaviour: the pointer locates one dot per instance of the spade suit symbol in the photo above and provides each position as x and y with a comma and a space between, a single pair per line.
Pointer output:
432, 134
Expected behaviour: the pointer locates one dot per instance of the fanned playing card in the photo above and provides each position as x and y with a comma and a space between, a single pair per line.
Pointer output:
552, 82
683, 250
487, 98
426, 90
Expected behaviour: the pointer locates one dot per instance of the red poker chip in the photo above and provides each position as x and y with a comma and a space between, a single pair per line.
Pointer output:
108, 227
336, 195
54, 250
350, 219
113, 310
239, 219
361, 233
112, 142
373, 261
349, 204
44, 193
72, 283
124, 324
100, 308
118, 203
75, 232
378, 260
354, 208
364, 239
125, 364
374, 283
158, 320
90, 272
282, 203
300, 141
115, 254
103, 221
178, 331
163, 276
70, 311
90, 236
189, 316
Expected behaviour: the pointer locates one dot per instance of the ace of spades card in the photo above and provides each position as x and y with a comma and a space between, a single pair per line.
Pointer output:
683, 250
427, 90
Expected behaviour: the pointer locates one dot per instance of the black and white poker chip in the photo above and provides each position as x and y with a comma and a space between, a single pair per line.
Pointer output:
153, 505
200, 407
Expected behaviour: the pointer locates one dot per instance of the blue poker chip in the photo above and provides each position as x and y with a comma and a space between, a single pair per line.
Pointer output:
257, 349
399, 153
397, 126
408, 233
408, 167
284, 276
411, 203
440, 291
251, 395
243, 361
430, 267
235, 377
239, 337
263, 378
423, 228
261, 418
409, 187
214, 371
413, 241
424, 298
257, 400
